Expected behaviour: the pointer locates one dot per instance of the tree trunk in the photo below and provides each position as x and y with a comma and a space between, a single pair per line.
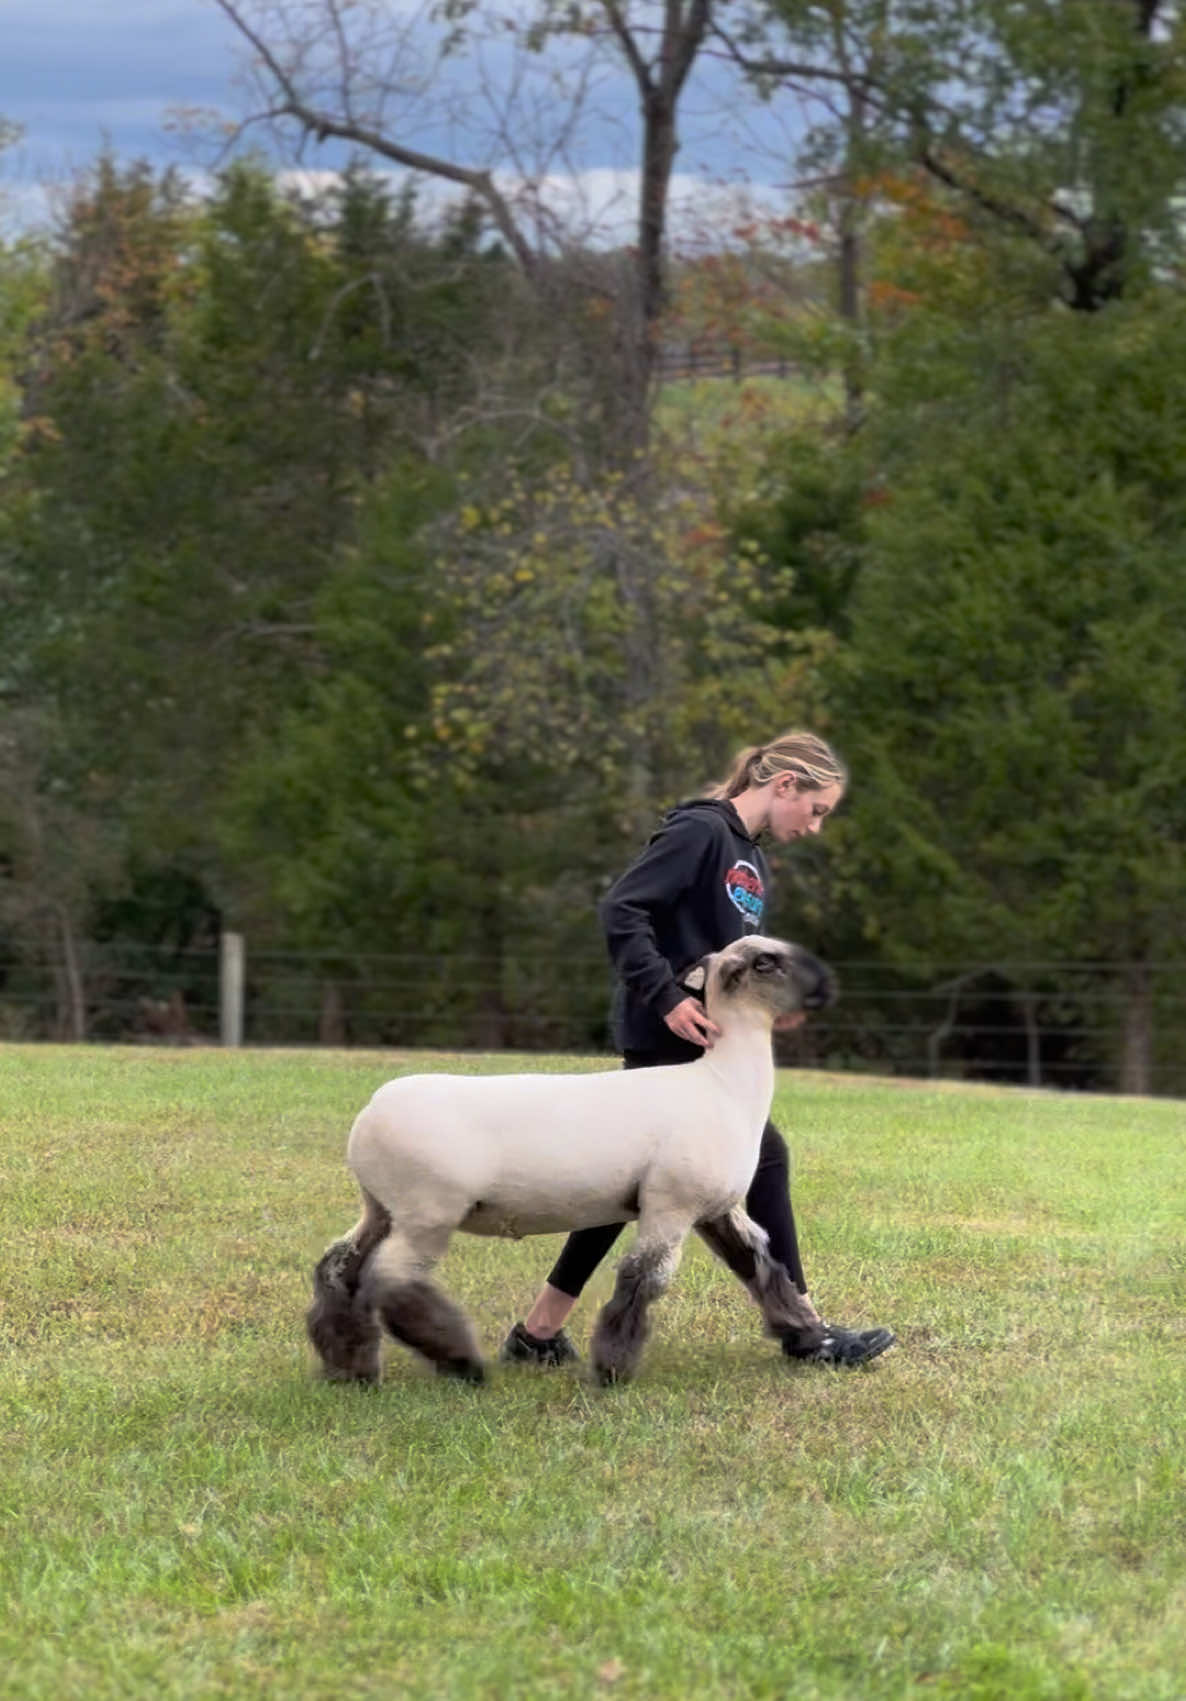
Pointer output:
849, 302
1136, 1063
850, 310
331, 1021
71, 993
659, 148
659, 87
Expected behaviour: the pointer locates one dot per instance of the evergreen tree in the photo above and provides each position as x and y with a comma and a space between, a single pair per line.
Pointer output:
1015, 689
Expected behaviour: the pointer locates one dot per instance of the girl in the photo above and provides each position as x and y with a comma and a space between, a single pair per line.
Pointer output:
701, 883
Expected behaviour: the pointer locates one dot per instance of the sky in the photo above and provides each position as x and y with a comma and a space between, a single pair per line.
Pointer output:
74, 72
78, 75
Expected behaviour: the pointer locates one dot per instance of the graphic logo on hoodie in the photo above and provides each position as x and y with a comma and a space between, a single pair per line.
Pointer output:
746, 892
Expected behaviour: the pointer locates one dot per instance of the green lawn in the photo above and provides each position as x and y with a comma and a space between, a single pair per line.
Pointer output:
996, 1510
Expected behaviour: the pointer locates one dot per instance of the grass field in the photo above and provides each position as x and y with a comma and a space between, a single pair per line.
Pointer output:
996, 1510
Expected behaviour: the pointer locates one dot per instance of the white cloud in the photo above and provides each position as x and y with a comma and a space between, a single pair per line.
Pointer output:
598, 207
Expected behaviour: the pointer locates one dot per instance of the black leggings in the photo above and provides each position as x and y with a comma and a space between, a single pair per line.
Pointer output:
768, 1202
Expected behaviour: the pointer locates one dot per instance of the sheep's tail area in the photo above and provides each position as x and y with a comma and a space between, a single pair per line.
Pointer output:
340, 1323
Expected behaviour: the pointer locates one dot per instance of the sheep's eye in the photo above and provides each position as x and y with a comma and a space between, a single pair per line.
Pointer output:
765, 964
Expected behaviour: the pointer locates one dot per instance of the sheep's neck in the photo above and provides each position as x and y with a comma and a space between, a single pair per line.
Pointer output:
743, 1057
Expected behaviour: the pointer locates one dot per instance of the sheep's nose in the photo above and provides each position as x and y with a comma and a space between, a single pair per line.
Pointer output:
821, 987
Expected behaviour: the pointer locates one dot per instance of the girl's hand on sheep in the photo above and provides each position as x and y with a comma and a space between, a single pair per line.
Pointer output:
690, 1021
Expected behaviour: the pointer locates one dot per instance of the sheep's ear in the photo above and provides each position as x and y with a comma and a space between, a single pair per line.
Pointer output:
695, 978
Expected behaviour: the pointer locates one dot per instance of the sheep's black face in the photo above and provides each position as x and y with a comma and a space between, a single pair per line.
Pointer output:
817, 982
784, 978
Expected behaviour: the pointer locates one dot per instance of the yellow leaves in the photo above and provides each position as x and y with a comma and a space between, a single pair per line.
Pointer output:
39, 430
567, 599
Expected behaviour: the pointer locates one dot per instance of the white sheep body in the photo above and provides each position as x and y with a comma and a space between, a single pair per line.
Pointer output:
536, 1154
522, 1154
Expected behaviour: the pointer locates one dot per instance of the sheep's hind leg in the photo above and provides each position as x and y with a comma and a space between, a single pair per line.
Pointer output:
416, 1311
341, 1323
743, 1246
623, 1324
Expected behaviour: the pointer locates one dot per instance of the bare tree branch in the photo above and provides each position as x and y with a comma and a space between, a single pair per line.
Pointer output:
798, 70
629, 46
1003, 210
324, 124
337, 68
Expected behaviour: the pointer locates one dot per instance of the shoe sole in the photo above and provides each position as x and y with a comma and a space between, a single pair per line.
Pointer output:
875, 1343
874, 1348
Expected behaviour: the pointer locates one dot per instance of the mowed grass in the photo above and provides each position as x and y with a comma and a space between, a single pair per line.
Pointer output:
996, 1510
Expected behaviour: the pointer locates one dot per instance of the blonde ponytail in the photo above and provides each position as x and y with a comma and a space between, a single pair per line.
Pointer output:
813, 764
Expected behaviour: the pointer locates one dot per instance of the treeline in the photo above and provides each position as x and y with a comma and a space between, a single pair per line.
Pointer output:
350, 603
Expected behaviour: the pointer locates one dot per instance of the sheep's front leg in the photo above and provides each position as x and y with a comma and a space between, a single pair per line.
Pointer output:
623, 1325
743, 1246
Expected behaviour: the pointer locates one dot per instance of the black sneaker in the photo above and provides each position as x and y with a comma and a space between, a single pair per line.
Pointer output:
843, 1348
522, 1348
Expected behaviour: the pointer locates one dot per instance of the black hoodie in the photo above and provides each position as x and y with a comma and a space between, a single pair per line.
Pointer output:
701, 883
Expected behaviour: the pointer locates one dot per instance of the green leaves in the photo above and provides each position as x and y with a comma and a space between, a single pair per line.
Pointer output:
1019, 658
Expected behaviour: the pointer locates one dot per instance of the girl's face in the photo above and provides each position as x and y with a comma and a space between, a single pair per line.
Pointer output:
796, 813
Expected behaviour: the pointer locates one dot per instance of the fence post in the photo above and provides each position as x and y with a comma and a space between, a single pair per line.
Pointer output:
231, 976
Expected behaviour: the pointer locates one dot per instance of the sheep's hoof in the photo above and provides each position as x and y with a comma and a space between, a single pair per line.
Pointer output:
470, 1370
351, 1378
609, 1376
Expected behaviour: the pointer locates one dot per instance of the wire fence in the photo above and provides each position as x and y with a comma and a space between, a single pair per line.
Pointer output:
1086, 1026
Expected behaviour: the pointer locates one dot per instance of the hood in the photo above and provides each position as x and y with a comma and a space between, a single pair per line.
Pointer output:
714, 806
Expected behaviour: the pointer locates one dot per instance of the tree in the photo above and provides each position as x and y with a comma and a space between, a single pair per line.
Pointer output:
1016, 682
254, 362
603, 631
209, 392
356, 74
98, 304
23, 287
512, 656
1056, 125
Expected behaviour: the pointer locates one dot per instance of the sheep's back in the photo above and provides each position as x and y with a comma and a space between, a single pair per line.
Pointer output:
526, 1154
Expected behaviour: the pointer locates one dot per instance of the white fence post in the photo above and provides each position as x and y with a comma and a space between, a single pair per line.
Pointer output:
232, 959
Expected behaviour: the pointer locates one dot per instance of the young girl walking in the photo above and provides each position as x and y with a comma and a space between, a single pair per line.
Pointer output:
701, 883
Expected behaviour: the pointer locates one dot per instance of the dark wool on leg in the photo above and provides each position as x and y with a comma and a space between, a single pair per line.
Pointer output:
740, 1243
341, 1326
425, 1319
623, 1326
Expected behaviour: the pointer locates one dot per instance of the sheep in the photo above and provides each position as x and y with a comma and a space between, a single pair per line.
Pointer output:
515, 1155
